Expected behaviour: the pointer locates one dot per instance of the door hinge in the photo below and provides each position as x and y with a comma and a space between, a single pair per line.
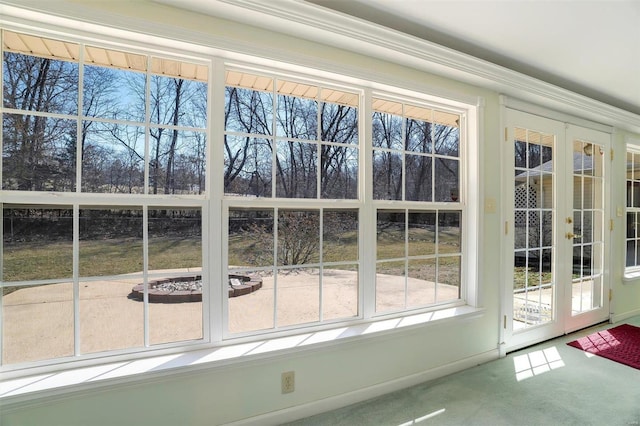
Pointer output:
611, 153
506, 227
504, 322
610, 224
506, 134
610, 294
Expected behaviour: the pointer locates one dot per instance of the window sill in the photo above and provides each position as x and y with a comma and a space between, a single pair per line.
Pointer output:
20, 391
631, 275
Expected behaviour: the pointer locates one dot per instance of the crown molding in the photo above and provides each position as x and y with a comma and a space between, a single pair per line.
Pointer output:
315, 23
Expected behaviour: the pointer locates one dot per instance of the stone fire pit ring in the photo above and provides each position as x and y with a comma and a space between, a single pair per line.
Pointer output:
189, 288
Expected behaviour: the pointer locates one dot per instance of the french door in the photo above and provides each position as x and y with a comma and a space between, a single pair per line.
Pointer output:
556, 229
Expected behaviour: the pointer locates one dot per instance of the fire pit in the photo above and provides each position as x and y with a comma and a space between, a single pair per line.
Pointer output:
189, 289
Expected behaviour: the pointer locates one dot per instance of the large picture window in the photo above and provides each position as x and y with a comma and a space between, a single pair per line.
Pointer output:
128, 130
416, 166
287, 140
328, 203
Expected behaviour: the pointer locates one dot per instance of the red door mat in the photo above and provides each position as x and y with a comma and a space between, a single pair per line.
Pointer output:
620, 344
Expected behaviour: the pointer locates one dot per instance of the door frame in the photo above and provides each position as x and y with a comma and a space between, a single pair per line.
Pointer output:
559, 123
587, 318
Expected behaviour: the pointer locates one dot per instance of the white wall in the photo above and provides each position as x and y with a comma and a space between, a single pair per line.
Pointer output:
626, 293
333, 375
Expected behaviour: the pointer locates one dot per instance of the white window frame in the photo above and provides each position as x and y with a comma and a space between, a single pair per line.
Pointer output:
631, 271
77, 200
213, 205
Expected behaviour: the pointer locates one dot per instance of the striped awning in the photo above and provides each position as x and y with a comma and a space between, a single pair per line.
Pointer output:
62, 50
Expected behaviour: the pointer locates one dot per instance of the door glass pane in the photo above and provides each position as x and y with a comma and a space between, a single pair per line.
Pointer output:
533, 283
588, 229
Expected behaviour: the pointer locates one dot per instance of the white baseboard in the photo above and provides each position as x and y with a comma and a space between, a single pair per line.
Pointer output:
624, 316
342, 400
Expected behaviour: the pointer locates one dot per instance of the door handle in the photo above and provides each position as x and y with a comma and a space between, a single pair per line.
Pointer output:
571, 236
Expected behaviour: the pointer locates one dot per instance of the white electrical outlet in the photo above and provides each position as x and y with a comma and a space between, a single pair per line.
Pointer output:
288, 381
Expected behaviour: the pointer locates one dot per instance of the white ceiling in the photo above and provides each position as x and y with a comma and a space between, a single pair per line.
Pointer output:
589, 47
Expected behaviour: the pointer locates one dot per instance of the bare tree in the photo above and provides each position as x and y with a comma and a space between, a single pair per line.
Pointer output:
387, 163
248, 112
301, 154
35, 154
174, 102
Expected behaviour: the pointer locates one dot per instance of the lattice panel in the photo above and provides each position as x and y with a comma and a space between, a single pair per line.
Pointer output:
526, 196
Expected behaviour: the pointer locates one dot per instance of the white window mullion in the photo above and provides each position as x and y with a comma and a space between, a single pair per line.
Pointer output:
215, 214
406, 258
403, 166
367, 216
275, 267
319, 146
80, 118
147, 127
320, 267
437, 256
433, 159
145, 273
274, 140
76, 279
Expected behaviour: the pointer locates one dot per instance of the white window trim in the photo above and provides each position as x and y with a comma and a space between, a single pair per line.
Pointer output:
30, 382
18, 391
631, 273
468, 206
